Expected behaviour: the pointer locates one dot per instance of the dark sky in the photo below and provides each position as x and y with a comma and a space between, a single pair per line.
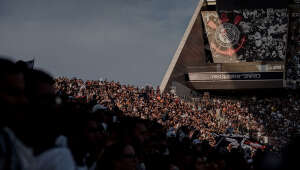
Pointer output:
131, 41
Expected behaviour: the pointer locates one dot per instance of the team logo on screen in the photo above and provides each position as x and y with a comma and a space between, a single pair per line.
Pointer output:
227, 35
228, 39
247, 35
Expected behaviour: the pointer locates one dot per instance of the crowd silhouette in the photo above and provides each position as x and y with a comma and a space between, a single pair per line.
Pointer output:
68, 124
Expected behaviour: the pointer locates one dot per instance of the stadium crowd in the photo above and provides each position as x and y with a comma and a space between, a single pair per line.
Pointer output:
272, 118
70, 124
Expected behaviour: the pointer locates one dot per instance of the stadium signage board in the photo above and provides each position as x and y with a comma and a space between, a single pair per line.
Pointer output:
221, 76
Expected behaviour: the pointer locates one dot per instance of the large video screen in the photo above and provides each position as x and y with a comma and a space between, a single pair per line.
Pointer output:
247, 35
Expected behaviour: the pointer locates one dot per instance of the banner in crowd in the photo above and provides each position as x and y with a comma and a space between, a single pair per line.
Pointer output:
247, 35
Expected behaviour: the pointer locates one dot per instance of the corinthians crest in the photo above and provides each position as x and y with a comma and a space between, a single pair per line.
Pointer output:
243, 35
227, 35
224, 35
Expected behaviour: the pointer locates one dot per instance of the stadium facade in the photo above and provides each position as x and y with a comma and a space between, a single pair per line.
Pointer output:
240, 44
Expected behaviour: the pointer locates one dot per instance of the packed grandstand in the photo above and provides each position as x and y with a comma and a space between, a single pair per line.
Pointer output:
73, 124
270, 119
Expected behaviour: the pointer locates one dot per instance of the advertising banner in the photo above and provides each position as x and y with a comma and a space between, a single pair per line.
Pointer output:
223, 76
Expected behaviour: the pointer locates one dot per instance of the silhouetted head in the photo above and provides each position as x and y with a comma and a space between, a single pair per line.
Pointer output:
12, 94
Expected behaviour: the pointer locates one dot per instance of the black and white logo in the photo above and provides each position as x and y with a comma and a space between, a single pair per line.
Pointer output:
227, 35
